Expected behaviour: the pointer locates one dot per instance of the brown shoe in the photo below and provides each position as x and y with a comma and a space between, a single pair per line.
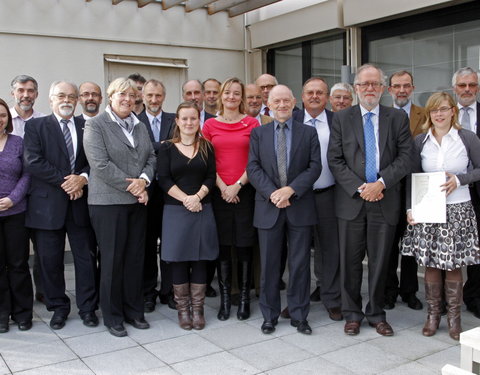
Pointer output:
352, 327
182, 298
454, 296
433, 296
335, 313
285, 314
383, 328
197, 294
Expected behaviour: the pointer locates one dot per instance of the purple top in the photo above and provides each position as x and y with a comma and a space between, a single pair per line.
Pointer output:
14, 181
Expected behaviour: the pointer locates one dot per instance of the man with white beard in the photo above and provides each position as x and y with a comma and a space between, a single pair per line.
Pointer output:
57, 204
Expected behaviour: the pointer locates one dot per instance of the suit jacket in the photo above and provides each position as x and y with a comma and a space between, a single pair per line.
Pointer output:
166, 127
46, 159
478, 119
304, 168
300, 116
417, 119
113, 159
346, 158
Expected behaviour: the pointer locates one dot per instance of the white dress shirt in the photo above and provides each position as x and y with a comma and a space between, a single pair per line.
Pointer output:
450, 156
19, 123
473, 115
326, 178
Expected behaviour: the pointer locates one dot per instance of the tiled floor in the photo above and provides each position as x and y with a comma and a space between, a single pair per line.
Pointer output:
230, 347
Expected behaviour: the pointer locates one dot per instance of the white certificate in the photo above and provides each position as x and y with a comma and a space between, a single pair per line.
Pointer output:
429, 203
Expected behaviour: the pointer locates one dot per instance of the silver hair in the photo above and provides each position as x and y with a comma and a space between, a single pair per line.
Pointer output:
56, 83
23, 78
383, 77
466, 71
342, 86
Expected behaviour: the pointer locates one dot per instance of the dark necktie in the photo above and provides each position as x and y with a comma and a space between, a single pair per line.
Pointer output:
370, 149
282, 154
68, 141
266, 111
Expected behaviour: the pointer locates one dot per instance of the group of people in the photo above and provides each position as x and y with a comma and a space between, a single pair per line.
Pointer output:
238, 176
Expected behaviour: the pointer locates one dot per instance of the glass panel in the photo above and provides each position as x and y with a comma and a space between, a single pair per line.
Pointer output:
288, 67
327, 59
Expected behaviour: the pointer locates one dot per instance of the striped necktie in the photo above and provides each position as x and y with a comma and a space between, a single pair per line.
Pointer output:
68, 141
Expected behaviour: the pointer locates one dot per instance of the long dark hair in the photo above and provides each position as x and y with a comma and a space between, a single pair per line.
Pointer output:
9, 127
201, 144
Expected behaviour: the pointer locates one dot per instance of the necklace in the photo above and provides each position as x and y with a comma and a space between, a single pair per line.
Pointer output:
187, 145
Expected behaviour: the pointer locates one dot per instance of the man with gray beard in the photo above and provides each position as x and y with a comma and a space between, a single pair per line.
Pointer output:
57, 205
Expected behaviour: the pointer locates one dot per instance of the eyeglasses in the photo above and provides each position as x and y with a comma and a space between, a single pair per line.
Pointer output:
364, 85
312, 93
62, 96
94, 95
440, 110
464, 85
266, 87
397, 86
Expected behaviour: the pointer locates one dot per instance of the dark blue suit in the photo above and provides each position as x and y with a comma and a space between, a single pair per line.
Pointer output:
296, 220
52, 214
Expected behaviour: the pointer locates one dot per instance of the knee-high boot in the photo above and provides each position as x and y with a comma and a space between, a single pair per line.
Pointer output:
433, 295
244, 281
197, 293
454, 297
224, 273
181, 294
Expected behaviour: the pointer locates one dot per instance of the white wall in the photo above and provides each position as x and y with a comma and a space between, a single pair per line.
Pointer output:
67, 39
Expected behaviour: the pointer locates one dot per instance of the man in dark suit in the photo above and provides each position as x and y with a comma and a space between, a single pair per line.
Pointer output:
193, 91
465, 86
326, 256
400, 87
159, 125
57, 205
284, 162
90, 98
368, 154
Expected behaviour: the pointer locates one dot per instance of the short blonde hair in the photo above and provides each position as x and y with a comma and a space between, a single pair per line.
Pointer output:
434, 102
121, 84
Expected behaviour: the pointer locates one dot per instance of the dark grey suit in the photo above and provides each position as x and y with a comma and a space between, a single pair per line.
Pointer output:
367, 226
296, 220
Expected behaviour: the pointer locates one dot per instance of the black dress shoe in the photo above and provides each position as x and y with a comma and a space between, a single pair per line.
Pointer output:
210, 292
412, 301
90, 319
4, 327
268, 326
302, 326
389, 302
167, 299
149, 306
118, 330
315, 296
139, 323
58, 321
24, 325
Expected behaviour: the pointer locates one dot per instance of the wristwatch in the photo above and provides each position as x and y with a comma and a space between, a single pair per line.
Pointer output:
240, 183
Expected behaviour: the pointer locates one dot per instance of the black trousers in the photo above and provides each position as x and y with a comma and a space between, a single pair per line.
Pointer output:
298, 291
189, 272
120, 231
16, 294
51, 250
471, 289
367, 234
152, 255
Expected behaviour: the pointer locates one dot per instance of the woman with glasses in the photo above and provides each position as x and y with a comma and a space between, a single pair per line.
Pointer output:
449, 247
122, 165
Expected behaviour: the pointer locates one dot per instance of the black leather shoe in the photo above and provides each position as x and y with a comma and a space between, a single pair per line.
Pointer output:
118, 330
149, 306
140, 323
58, 321
474, 307
25, 325
315, 296
210, 292
167, 299
389, 302
4, 327
302, 326
412, 301
90, 319
268, 326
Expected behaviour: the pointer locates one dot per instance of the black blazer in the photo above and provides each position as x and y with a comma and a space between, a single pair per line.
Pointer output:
300, 116
46, 159
304, 168
166, 127
346, 158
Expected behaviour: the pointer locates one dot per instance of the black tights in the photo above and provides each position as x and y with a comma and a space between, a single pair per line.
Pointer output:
244, 254
189, 272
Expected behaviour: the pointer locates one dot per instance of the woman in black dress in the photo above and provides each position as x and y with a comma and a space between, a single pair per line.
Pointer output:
186, 173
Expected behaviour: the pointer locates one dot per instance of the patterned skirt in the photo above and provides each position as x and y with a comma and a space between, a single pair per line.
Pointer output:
445, 246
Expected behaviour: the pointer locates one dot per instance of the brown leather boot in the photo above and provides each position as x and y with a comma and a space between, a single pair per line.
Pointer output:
433, 295
182, 298
454, 296
197, 292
